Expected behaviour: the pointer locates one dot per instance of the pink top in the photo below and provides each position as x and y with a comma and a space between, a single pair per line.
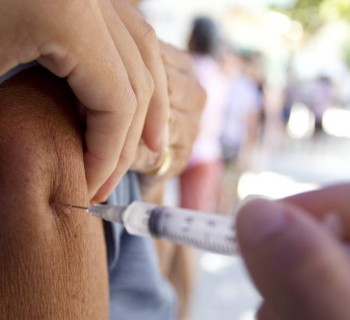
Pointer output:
207, 146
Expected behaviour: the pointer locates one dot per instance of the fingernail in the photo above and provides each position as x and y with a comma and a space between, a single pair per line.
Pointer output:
331, 222
260, 219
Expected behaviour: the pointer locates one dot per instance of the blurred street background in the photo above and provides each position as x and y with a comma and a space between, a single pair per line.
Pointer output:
223, 290
296, 136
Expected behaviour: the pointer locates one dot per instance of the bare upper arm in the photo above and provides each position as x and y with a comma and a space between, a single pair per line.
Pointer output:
52, 264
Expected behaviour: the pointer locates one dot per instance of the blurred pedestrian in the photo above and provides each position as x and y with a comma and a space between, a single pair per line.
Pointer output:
241, 126
199, 183
319, 99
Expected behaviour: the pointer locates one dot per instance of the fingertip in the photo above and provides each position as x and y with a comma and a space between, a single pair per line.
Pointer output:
92, 186
265, 313
259, 219
102, 194
110, 184
156, 137
292, 260
98, 175
92, 175
99, 198
156, 128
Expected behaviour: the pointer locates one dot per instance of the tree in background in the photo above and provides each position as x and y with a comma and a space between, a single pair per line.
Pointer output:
313, 14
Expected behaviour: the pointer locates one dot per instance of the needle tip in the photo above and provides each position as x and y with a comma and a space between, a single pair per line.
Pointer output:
73, 206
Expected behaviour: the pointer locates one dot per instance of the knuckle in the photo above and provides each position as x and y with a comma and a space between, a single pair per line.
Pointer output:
128, 98
144, 89
197, 93
149, 81
148, 84
149, 36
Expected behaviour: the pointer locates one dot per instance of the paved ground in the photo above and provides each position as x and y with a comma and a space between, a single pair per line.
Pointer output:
223, 290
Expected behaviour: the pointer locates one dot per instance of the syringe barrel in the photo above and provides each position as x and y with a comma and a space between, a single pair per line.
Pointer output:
211, 232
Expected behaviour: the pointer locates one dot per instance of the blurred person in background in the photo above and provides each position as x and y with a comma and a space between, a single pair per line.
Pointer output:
271, 124
200, 181
291, 94
241, 125
253, 67
319, 98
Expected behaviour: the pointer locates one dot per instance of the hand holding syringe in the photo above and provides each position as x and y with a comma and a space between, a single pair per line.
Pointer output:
211, 232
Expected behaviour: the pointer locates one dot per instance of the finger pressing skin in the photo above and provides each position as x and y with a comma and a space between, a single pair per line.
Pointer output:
73, 41
155, 132
89, 59
300, 270
142, 85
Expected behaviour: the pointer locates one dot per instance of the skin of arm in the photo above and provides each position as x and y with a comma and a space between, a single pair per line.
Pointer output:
52, 260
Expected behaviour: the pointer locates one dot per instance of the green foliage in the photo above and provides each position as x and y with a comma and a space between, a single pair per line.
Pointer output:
346, 53
312, 14
336, 9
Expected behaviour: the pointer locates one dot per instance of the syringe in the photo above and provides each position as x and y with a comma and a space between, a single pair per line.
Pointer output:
211, 232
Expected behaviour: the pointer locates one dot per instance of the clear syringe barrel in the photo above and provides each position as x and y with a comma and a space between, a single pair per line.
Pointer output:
211, 232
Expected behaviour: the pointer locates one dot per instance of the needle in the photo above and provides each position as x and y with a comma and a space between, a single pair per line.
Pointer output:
205, 231
76, 207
